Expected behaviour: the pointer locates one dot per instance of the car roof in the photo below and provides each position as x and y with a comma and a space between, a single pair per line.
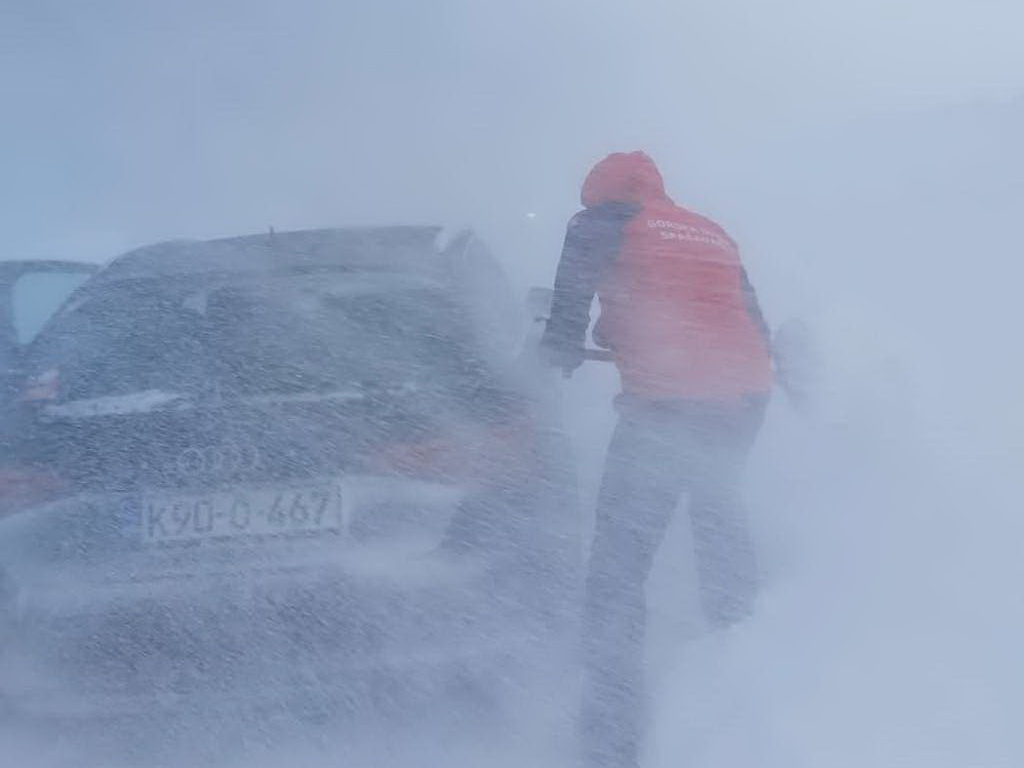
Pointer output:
390, 249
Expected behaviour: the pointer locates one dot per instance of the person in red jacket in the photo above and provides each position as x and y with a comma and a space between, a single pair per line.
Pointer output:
693, 350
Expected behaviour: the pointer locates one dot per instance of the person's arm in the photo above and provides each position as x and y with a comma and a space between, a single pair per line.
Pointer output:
592, 243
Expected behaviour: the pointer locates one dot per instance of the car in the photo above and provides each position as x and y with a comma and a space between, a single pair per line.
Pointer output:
30, 292
262, 469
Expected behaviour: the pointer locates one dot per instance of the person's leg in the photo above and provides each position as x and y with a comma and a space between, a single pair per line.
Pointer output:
639, 492
727, 567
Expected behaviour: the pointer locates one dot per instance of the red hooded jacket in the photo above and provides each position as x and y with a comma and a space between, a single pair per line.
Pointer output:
677, 310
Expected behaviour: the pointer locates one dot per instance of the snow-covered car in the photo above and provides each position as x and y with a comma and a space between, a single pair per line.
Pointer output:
30, 292
276, 467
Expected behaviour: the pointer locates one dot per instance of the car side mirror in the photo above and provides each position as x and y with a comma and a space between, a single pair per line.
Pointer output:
538, 308
538, 303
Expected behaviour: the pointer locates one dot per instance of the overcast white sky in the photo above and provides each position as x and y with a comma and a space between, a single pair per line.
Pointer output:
128, 121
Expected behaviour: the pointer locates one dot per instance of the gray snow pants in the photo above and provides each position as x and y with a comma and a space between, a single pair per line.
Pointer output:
660, 451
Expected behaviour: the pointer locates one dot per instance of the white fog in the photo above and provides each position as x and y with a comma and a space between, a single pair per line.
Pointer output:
867, 159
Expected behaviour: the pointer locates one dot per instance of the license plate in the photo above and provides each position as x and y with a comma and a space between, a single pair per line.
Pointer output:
241, 513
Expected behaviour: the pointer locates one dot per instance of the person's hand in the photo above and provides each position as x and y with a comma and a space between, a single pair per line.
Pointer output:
567, 358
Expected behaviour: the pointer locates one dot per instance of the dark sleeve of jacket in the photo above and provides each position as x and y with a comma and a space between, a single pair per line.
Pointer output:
592, 244
754, 309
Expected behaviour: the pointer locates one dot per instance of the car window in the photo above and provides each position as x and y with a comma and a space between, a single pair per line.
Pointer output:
35, 296
280, 336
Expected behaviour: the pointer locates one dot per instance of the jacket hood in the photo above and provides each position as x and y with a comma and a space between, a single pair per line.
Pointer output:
623, 178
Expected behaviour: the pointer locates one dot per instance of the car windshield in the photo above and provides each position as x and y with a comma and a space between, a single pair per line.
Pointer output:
277, 336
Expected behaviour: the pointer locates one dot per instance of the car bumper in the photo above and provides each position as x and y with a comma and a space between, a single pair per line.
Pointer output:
255, 639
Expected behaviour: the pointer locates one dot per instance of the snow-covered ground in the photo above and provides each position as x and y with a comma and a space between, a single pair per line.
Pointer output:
887, 631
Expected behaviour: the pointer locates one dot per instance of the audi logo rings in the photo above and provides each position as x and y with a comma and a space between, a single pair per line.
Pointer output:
227, 458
